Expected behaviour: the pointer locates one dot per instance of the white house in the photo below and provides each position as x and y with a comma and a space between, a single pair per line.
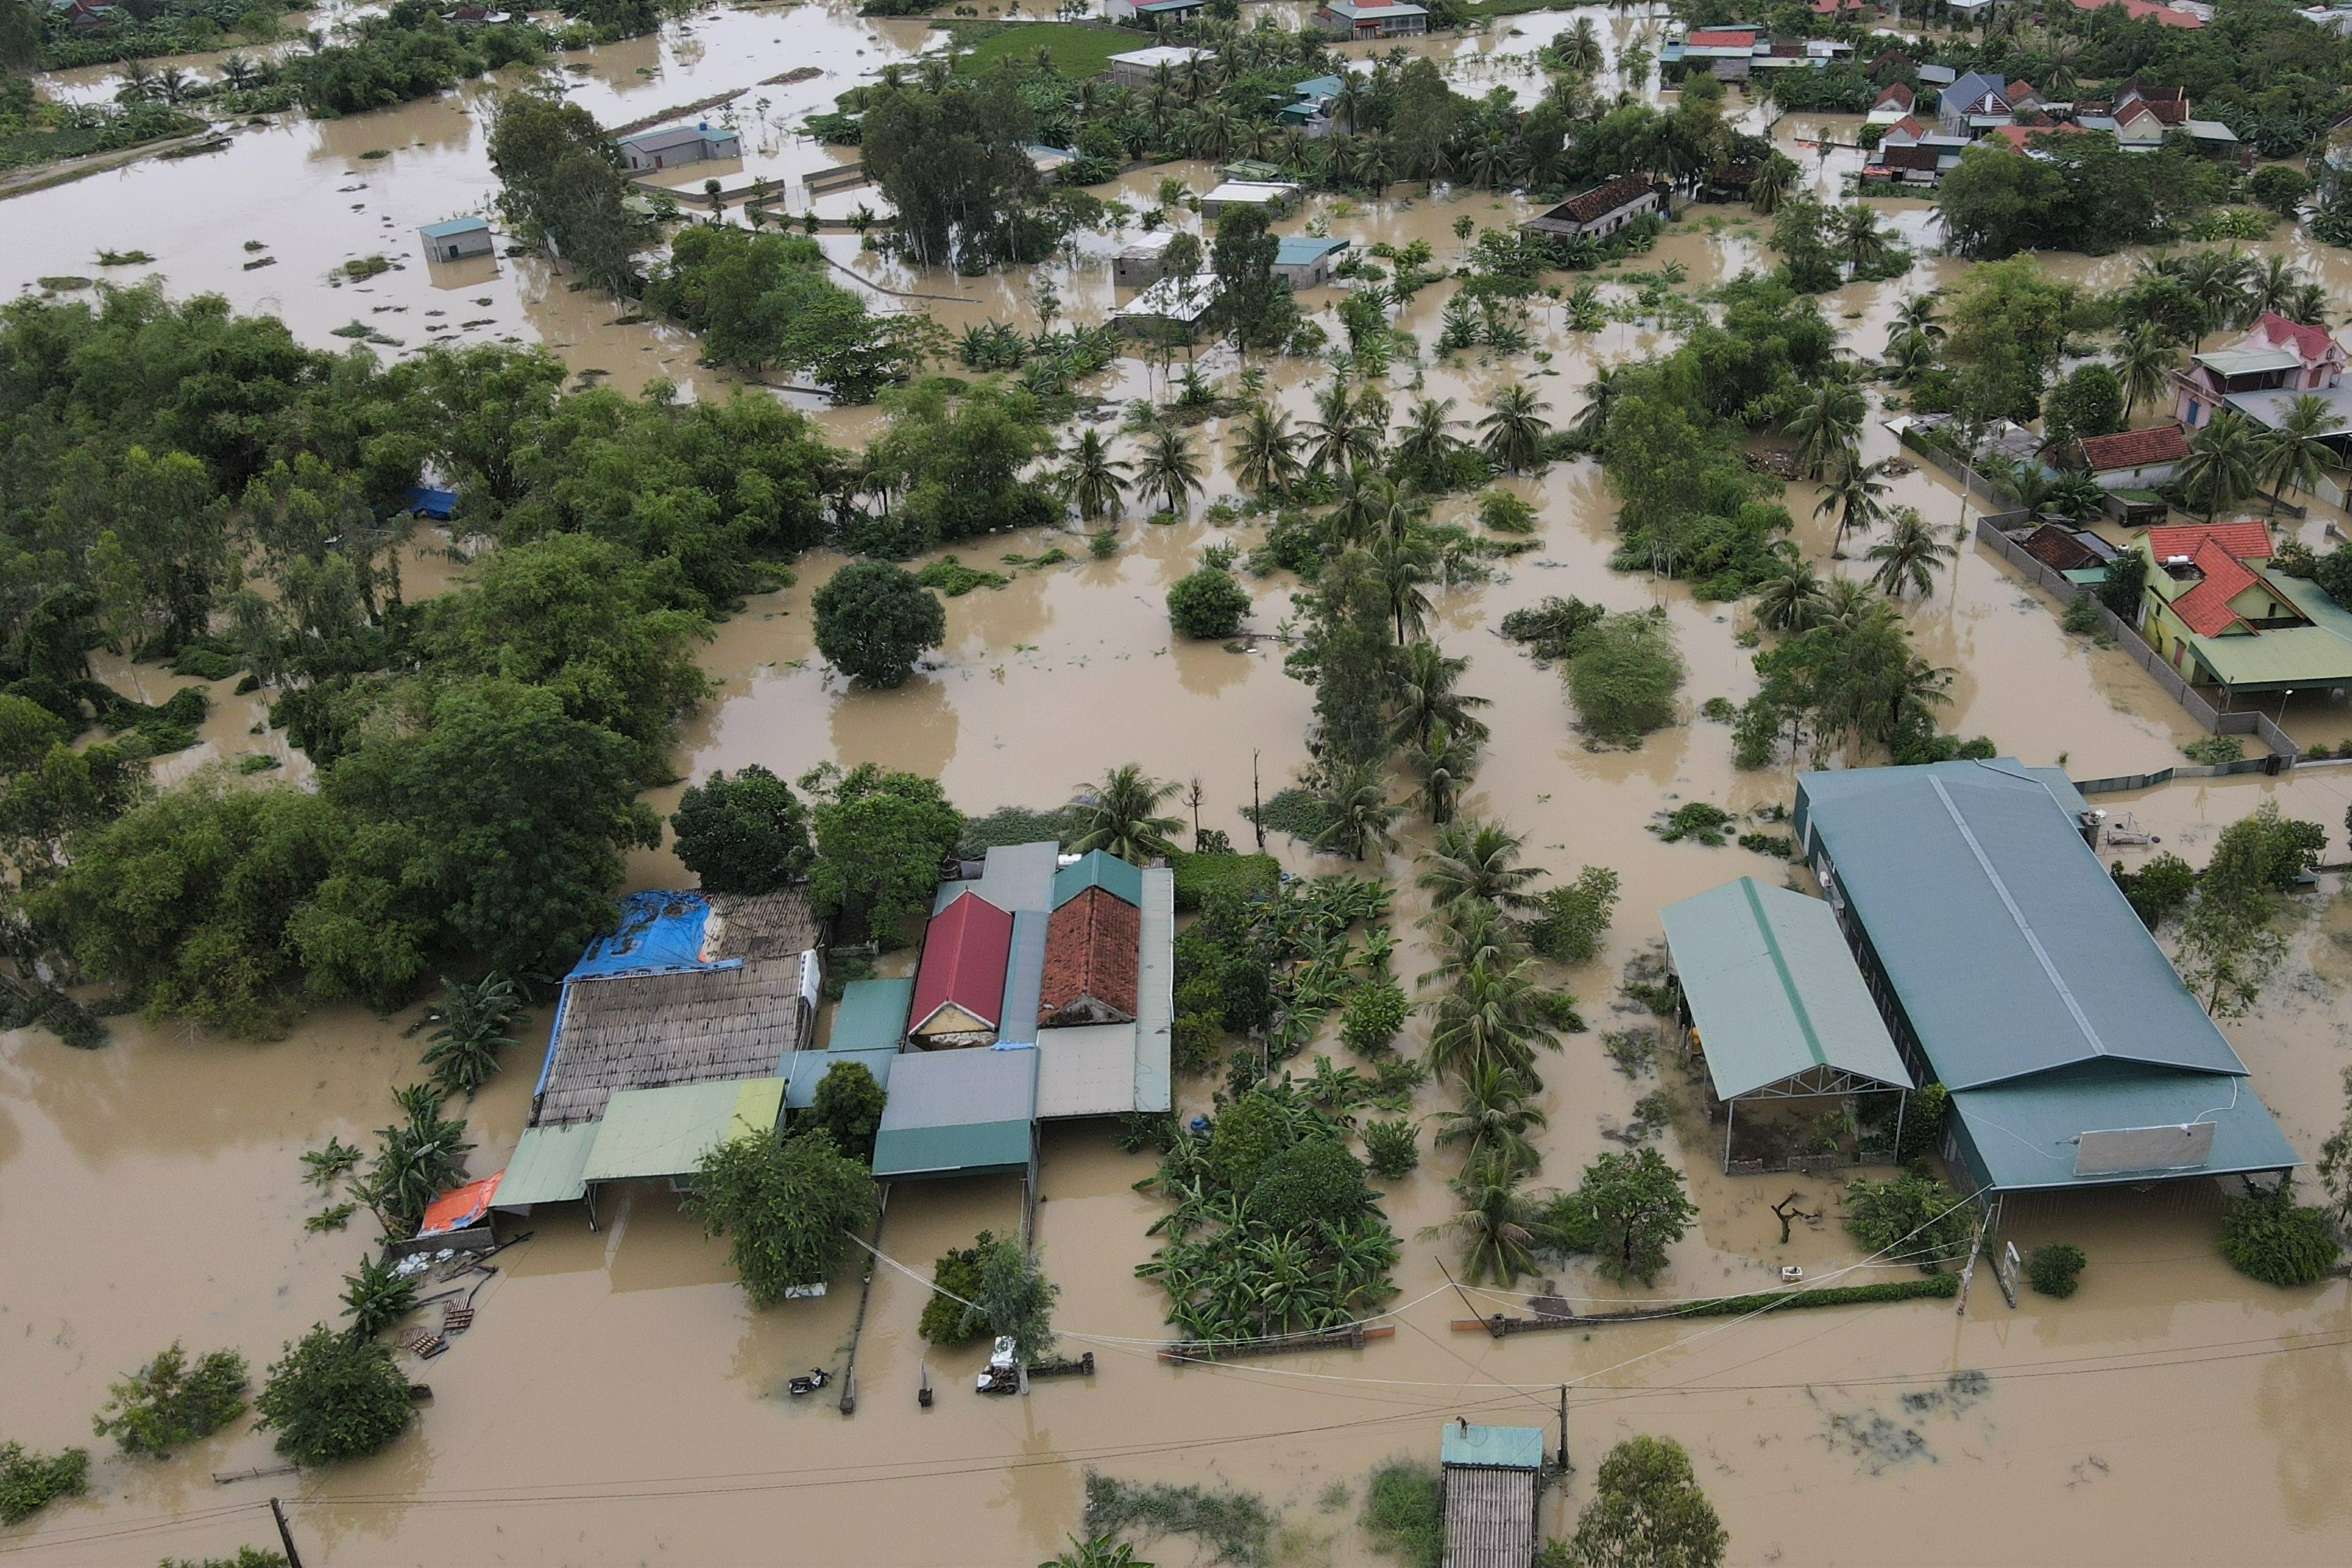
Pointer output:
1137, 67
672, 145
456, 239
1272, 196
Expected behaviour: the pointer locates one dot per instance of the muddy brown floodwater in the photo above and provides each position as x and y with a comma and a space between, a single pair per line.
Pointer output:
617, 1402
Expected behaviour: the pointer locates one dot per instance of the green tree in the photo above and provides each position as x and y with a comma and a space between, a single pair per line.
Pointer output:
1096, 1552
1852, 491
1443, 765
874, 621
1827, 428
1512, 431
955, 165
30, 1481
1791, 599
955, 1283
375, 1299
1471, 858
168, 1403
1207, 604
1491, 1117
1499, 1226
1357, 813
561, 187
1265, 453
1628, 1210
2145, 364
1648, 1511
1014, 1300
1913, 1218
848, 1107
2229, 944
1569, 921
744, 835
1091, 479
2269, 1237
1347, 652
1429, 697
2089, 402
2225, 464
332, 1397
2055, 1269
1169, 468
462, 1052
1625, 675
1912, 552
788, 1207
1123, 818
417, 1159
2291, 453
2008, 322
880, 838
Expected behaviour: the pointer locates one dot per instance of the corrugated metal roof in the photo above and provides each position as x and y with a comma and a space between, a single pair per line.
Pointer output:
803, 1070
1155, 1003
446, 227
1497, 1447
963, 966
2249, 361
1024, 977
650, 1133
1773, 989
546, 1165
1490, 1518
2025, 1132
1304, 250
2010, 947
1096, 869
958, 1112
871, 1015
1085, 1071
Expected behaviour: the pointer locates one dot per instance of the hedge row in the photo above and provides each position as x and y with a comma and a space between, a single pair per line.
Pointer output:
1251, 876
1945, 1285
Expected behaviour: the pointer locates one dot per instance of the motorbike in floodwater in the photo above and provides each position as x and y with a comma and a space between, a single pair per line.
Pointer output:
817, 1378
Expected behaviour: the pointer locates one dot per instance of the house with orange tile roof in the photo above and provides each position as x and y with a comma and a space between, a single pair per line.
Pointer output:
2218, 611
2134, 459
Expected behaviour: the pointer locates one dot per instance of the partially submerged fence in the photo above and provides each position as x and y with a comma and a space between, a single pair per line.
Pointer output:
2285, 752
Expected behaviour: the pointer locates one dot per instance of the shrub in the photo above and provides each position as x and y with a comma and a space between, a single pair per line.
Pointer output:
1250, 875
955, 1280
1375, 1012
1569, 920
1694, 819
1207, 604
1647, 1507
2082, 616
2055, 1269
848, 1106
334, 1397
1404, 1513
1391, 1149
2269, 1235
2214, 750
168, 1403
1315, 1181
744, 835
1500, 512
1236, 1526
1912, 1219
874, 621
2158, 889
29, 1481
1103, 543
1923, 1120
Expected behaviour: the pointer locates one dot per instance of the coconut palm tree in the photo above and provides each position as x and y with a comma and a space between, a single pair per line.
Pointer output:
1376, 163
1599, 398
1579, 51
1265, 455
1790, 600
2308, 307
2270, 285
1122, 819
1859, 237
1499, 1229
1909, 355
1428, 441
1468, 932
1492, 1116
1402, 561
2223, 466
1334, 434
2218, 280
1917, 314
1092, 479
1476, 859
1827, 428
2145, 364
1853, 493
1491, 1015
1776, 178
1169, 468
1514, 427
1912, 552
2292, 454
1357, 813
1429, 697
1442, 763
237, 72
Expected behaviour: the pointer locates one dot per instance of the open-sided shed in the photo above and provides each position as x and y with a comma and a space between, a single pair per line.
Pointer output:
1775, 1001
651, 1133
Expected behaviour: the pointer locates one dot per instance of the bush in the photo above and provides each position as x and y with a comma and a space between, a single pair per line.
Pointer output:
1923, 1120
1570, 921
955, 1280
2055, 1269
29, 1481
2082, 617
1376, 1010
1251, 877
874, 620
1623, 677
1391, 1149
1912, 1219
788, 1206
1404, 1513
1235, 1526
167, 1403
1207, 604
2214, 750
848, 1105
1946, 1286
744, 835
334, 1397
1315, 1181
2269, 1235
2158, 889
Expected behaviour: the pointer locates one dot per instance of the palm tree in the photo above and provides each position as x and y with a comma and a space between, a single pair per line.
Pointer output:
1600, 397
1428, 698
1853, 493
1492, 1116
1376, 161
1402, 561
1515, 428
1828, 427
1490, 1015
1917, 314
2217, 278
1442, 762
2292, 454
1790, 600
1265, 457
2308, 308
2145, 364
1859, 236
1098, 1551
1428, 440
2270, 286
1469, 932
1169, 469
1579, 51
237, 72
1333, 440
1910, 554
1475, 859
1910, 356
1121, 820
1499, 1229
1091, 479
1776, 178
2223, 466
1357, 813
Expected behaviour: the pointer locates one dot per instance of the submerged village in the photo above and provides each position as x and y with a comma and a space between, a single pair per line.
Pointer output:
1422, 782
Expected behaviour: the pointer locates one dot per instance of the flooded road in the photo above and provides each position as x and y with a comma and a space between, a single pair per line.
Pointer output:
617, 1401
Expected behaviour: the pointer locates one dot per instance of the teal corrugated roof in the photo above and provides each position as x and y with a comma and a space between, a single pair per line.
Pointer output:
1773, 989
1096, 870
2025, 1131
958, 1112
1492, 1447
467, 225
546, 1165
1299, 250
871, 1015
803, 1070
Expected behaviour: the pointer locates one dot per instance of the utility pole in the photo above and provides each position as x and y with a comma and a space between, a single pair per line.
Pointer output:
1564, 1466
285, 1536
1257, 803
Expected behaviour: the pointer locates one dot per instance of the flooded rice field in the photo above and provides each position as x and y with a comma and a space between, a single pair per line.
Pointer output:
618, 1402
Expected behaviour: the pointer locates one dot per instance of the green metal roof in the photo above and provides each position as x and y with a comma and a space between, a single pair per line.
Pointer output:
1096, 870
871, 1015
1492, 1447
2287, 656
957, 1112
546, 1165
667, 1131
1773, 989
2024, 1133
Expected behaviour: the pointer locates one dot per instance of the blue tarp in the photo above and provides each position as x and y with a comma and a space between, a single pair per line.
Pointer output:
426, 501
659, 933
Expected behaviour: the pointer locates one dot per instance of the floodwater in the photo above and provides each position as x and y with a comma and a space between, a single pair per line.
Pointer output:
617, 1401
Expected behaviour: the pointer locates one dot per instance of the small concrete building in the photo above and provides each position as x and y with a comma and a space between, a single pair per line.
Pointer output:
453, 239
1305, 262
1153, 12
2135, 459
671, 145
1170, 303
1492, 1477
1272, 196
1137, 266
1598, 212
1137, 67
1374, 18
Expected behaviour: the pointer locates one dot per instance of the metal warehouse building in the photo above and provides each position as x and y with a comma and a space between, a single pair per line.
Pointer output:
2008, 966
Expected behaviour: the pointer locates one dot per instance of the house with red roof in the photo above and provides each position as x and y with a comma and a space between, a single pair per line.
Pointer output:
2217, 612
2134, 459
2262, 374
2144, 11
1093, 955
1894, 104
959, 981
1601, 211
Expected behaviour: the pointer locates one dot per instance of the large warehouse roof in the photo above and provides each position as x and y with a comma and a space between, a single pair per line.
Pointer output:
2012, 951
